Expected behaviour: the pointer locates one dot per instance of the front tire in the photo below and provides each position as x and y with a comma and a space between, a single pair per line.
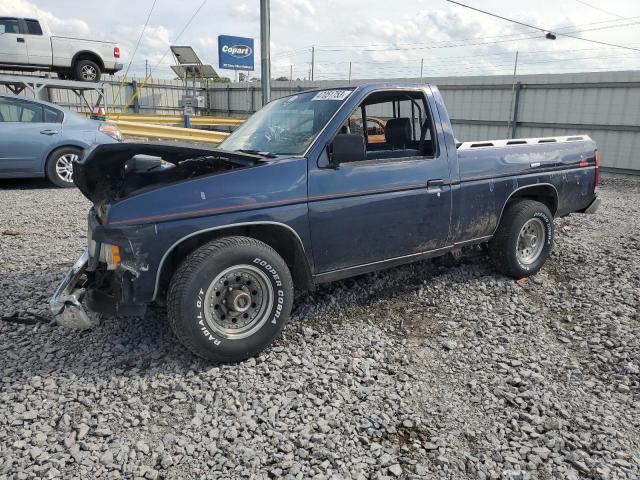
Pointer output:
524, 239
60, 164
230, 299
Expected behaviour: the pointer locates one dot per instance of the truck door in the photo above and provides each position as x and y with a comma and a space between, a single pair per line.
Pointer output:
395, 203
38, 45
13, 48
27, 132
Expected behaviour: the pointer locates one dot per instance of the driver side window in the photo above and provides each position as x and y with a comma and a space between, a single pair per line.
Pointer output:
398, 125
9, 25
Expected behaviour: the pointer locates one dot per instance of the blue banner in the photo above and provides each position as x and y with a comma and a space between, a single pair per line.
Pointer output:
235, 53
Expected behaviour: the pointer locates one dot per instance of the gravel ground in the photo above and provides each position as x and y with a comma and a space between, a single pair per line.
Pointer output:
440, 369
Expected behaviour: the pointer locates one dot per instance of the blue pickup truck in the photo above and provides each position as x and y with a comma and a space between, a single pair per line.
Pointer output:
299, 195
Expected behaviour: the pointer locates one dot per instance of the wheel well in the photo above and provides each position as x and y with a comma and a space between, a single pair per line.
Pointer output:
61, 147
546, 194
281, 239
87, 56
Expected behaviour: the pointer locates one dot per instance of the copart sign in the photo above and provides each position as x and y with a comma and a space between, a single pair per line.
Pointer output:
235, 53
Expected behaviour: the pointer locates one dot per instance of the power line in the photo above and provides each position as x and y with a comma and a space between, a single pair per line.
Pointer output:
493, 36
124, 77
146, 79
600, 9
543, 30
512, 38
455, 43
546, 31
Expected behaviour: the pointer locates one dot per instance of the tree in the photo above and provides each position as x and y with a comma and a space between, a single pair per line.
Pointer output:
222, 80
282, 79
242, 77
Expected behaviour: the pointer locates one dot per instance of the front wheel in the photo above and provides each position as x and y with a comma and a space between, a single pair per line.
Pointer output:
60, 165
524, 239
230, 299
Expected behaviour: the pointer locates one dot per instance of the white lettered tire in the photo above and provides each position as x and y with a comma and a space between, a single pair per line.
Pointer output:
523, 240
230, 299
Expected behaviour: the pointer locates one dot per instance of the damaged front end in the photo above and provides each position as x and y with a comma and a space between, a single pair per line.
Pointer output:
66, 303
111, 277
103, 278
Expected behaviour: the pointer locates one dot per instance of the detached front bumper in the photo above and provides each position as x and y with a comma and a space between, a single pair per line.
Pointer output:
66, 303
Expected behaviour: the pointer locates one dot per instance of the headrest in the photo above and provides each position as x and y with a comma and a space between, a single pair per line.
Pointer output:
397, 132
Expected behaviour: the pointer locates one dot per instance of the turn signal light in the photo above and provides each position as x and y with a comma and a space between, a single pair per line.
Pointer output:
116, 52
110, 254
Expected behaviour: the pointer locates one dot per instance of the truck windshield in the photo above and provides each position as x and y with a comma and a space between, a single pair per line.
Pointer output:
287, 126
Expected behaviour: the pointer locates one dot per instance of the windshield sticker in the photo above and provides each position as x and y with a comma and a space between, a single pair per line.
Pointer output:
332, 95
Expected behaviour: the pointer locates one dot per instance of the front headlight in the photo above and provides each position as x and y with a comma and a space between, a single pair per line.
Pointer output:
110, 254
112, 130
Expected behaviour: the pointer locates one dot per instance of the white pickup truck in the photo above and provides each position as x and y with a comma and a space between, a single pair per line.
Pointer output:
26, 44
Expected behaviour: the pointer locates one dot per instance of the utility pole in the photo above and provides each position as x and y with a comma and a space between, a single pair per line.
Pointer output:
291, 73
146, 68
513, 87
265, 49
421, 65
313, 60
349, 73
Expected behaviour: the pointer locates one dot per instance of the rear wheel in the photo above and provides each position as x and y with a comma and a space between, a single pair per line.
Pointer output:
87, 71
524, 239
230, 299
60, 166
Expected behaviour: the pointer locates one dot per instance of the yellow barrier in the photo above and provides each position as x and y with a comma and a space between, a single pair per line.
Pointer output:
176, 119
163, 132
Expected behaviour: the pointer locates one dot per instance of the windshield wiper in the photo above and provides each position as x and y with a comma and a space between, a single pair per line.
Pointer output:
257, 152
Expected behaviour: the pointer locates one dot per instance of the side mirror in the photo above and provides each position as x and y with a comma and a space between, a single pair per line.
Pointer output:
347, 147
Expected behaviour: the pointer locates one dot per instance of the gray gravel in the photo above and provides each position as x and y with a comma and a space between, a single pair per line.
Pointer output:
436, 370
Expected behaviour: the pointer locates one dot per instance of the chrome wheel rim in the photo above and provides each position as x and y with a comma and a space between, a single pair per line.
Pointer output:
64, 167
88, 72
531, 241
238, 302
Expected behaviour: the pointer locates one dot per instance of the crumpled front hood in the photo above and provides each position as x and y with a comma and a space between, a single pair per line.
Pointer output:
109, 171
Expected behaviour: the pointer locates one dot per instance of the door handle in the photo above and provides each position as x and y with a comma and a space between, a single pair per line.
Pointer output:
20, 40
437, 183
49, 132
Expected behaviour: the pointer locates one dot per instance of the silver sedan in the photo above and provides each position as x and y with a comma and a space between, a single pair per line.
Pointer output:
39, 139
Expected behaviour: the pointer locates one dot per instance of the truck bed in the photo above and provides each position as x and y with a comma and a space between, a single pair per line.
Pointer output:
492, 170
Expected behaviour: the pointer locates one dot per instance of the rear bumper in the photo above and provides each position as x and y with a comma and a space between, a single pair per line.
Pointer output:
117, 67
66, 302
592, 207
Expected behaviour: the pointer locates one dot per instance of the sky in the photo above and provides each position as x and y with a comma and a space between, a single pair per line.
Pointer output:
373, 38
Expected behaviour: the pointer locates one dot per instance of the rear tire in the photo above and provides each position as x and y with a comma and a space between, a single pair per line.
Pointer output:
87, 71
524, 239
59, 167
230, 299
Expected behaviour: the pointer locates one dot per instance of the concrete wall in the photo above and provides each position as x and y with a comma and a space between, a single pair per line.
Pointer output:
605, 105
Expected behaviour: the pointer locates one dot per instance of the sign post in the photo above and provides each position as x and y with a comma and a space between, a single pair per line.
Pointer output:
265, 50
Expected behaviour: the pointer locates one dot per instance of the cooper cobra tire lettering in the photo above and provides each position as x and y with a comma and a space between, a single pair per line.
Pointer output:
269, 270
